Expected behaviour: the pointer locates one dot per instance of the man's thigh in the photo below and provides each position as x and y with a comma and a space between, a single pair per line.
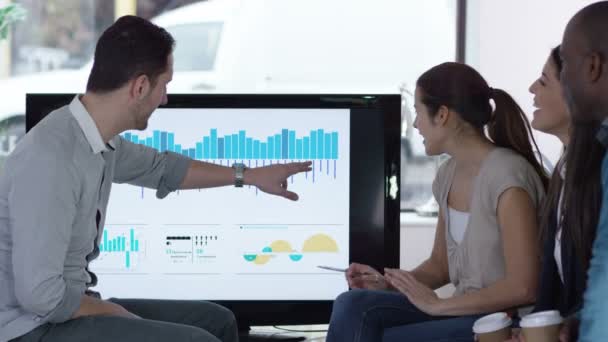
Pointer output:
116, 329
205, 315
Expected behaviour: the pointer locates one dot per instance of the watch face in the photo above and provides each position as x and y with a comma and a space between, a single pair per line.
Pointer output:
238, 174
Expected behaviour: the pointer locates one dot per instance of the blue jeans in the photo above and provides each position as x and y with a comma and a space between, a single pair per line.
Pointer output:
373, 316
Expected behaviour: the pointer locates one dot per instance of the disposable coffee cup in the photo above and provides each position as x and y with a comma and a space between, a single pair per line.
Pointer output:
493, 328
542, 326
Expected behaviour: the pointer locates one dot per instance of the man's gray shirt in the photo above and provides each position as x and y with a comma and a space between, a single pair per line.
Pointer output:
54, 192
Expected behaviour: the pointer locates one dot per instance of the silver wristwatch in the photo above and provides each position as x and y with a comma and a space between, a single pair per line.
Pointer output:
239, 170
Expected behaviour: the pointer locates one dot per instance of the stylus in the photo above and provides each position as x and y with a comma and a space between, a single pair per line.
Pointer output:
329, 268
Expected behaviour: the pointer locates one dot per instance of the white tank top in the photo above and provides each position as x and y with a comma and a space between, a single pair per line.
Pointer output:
458, 224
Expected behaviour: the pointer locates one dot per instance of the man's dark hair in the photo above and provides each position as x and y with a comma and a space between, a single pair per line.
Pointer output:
131, 47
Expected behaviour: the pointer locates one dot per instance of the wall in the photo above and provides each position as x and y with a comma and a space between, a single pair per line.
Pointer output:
509, 42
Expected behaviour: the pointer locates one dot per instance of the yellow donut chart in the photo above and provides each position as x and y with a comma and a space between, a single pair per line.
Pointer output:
318, 243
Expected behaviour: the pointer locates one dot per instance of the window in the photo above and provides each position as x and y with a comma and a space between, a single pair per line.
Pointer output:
417, 169
43, 54
196, 46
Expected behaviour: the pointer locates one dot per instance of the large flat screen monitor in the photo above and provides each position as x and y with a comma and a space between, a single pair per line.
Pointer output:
255, 253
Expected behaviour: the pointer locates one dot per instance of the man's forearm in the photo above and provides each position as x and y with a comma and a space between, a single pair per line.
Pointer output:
271, 179
202, 175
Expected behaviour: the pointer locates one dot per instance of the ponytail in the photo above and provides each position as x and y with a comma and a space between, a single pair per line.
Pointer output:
462, 89
509, 128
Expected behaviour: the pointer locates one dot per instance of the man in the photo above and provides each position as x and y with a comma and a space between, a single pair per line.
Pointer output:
584, 78
53, 198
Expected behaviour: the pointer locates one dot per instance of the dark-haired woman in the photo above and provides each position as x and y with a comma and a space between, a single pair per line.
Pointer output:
571, 210
486, 241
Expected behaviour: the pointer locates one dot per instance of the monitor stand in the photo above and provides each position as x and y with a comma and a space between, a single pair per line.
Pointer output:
248, 335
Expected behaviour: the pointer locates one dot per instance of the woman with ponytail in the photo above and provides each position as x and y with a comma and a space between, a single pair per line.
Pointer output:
486, 241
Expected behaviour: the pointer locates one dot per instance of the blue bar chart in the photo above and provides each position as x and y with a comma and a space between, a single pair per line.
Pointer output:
285, 145
123, 245
319, 146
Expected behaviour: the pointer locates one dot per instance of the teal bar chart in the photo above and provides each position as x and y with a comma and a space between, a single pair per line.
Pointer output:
124, 245
285, 145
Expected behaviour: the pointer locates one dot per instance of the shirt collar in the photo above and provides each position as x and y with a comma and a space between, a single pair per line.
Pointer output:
90, 130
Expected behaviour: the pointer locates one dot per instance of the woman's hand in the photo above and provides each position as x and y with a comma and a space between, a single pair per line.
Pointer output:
361, 276
423, 297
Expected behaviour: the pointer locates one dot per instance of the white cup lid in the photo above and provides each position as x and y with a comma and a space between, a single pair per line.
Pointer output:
541, 319
491, 323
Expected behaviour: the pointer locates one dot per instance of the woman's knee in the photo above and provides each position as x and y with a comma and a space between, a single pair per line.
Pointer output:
354, 301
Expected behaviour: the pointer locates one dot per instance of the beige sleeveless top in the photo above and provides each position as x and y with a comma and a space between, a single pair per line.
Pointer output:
478, 260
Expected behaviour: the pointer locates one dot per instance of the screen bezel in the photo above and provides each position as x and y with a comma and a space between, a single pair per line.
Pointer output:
374, 238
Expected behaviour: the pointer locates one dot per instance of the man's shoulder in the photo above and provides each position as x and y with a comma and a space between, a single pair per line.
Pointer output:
55, 137
59, 120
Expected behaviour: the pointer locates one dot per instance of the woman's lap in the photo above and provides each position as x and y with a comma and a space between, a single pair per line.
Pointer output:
364, 315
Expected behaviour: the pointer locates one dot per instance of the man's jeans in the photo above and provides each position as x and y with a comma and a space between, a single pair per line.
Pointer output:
163, 320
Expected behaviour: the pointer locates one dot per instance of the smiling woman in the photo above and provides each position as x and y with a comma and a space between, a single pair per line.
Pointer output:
488, 193
551, 114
